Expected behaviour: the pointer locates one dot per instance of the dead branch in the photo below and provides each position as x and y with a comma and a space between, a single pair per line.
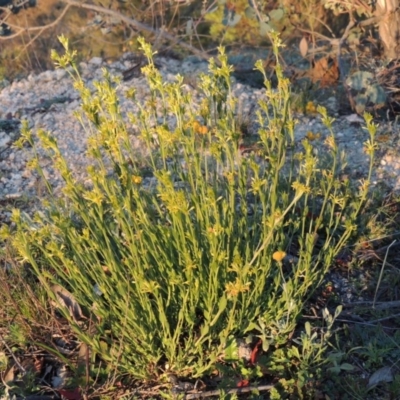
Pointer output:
378, 306
129, 21
20, 30
212, 393
140, 26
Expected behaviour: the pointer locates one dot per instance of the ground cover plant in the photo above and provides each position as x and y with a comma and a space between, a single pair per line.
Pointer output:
168, 261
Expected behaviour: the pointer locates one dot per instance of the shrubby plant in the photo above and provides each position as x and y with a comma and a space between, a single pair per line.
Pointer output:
174, 255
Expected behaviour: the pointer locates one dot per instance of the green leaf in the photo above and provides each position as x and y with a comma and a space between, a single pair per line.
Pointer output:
231, 349
103, 347
252, 326
230, 18
250, 13
295, 352
277, 14
338, 311
334, 370
223, 301
265, 345
204, 330
307, 326
265, 28
346, 367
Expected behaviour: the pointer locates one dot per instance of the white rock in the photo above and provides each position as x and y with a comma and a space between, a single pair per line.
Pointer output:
26, 173
46, 76
96, 61
4, 141
60, 73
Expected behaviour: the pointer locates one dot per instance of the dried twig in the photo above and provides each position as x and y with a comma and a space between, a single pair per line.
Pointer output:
20, 30
381, 273
161, 33
211, 393
366, 323
378, 306
139, 26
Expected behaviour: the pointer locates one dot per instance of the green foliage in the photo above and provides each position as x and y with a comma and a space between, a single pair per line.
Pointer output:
377, 347
367, 92
343, 6
178, 251
302, 362
251, 22
247, 21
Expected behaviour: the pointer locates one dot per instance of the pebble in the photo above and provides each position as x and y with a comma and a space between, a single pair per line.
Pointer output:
97, 61
4, 141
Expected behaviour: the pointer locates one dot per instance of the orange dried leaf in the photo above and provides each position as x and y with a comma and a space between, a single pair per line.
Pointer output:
383, 138
255, 352
243, 383
326, 71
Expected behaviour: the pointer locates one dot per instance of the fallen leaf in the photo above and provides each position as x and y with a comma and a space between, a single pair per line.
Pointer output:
60, 379
67, 300
354, 118
243, 383
71, 395
325, 71
9, 375
38, 364
383, 138
255, 352
83, 354
303, 46
383, 374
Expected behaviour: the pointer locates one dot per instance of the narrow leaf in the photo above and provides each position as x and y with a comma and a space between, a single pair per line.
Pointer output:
223, 301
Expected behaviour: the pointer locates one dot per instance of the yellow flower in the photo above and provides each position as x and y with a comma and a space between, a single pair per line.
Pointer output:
202, 130
312, 136
234, 288
215, 230
196, 125
136, 179
310, 108
279, 255
198, 128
